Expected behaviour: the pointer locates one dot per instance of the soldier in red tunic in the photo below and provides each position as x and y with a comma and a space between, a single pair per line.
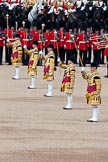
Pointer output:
47, 37
61, 43
26, 39
82, 39
54, 41
70, 44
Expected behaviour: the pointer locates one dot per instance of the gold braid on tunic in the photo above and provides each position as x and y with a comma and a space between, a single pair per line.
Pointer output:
94, 87
33, 61
49, 66
68, 78
16, 48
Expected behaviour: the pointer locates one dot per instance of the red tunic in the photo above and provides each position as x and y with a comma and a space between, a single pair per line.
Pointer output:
70, 44
106, 51
61, 40
1, 39
25, 40
9, 34
82, 42
94, 39
47, 39
53, 39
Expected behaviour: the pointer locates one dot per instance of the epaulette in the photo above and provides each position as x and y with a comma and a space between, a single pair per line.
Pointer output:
95, 75
51, 54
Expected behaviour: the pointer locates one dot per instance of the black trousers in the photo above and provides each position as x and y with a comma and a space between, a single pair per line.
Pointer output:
83, 56
62, 53
56, 55
74, 54
96, 54
8, 55
25, 58
102, 56
1, 55
71, 53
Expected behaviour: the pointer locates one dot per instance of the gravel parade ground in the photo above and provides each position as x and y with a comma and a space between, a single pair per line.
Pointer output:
34, 128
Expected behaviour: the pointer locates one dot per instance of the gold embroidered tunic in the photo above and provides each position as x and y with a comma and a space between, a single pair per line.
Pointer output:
68, 78
93, 88
33, 61
49, 67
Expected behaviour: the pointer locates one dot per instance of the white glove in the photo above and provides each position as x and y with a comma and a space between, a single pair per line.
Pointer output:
58, 60
8, 40
90, 8
82, 69
25, 47
41, 52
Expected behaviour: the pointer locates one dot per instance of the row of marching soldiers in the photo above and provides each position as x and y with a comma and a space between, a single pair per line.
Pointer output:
93, 77
84, 43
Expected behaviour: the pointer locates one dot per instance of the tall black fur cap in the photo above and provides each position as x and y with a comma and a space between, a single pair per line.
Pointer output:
94, 64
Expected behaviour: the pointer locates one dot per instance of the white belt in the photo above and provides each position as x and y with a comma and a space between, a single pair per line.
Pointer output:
25, 39
69, 41
11, 39
82, 42
53, 40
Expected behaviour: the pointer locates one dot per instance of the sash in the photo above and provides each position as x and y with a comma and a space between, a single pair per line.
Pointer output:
46, 69
91, 88
14, 55
66, 79
30, 63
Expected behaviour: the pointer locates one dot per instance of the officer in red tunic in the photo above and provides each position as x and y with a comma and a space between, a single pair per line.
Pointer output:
82, 39
54, 41
33, 32
70, 44
61, 43
38, 36
47, 37
26, 39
